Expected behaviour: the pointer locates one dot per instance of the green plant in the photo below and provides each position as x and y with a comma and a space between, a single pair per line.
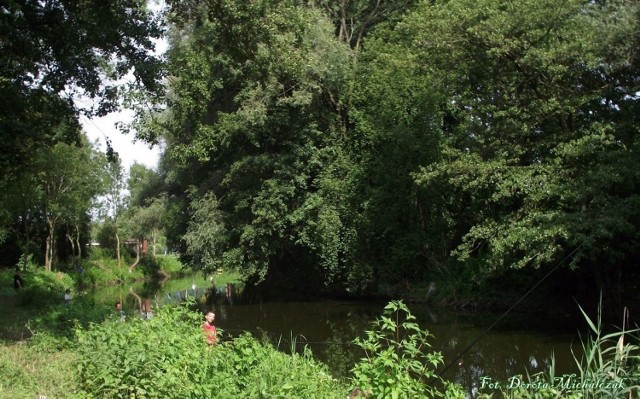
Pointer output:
26, 262
610, 364
43, 288
398, 363
170, 263
609, 367
261, 371
167, 357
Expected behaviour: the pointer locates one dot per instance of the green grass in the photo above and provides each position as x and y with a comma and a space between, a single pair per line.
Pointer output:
36, 367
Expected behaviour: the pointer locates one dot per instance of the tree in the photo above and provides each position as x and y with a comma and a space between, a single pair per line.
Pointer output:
143, 184
67, 177
52, 53
538, 119
147, 206
57, 49
402, 231
146, 222
250, 124
353, 19
114, 202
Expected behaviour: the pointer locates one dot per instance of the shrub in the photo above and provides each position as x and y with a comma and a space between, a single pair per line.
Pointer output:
43, 288
167, 357
170, 264
398, 363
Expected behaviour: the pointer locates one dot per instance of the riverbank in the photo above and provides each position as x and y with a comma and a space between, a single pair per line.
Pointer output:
71, 335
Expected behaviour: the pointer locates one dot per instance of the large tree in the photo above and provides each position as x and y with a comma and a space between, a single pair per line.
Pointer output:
69, 176
251, 123
540, 121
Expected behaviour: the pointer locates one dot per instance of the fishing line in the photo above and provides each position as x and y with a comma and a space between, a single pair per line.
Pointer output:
508, 310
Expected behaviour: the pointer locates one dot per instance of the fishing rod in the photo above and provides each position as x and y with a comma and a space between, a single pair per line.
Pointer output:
507, 311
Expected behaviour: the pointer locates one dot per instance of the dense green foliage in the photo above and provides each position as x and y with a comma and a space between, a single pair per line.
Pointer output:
251, 128
168, 357
341, 145
334, 146
398, 361
539, 144
60, 58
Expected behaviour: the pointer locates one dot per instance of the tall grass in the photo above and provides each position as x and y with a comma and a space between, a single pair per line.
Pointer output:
610, 364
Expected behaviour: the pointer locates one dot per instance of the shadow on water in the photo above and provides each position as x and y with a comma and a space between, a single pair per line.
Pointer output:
517, 346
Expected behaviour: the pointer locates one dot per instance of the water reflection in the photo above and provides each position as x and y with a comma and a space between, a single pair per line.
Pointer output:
328, 329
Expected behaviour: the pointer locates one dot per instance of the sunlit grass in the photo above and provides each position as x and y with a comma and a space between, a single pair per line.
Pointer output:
37, 367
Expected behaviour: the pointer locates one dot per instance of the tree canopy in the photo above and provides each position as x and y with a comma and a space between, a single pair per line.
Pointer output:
345, 145
364, 142
60, 58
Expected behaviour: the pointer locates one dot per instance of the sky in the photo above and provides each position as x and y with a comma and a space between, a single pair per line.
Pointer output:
101, 128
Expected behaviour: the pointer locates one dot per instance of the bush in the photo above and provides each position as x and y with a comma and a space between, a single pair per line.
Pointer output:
167, 357
170, 264
43, 288
398, 363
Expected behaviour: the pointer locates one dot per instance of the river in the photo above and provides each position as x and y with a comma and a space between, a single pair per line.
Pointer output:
473, 353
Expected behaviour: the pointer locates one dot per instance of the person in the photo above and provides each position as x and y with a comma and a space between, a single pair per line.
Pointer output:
119, 311
17, 280
67, 296
210, 332
147, 313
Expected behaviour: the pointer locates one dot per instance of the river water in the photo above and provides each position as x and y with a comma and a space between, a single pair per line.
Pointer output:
473, 353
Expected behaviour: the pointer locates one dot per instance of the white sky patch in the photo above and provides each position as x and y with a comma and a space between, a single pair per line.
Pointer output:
105, 127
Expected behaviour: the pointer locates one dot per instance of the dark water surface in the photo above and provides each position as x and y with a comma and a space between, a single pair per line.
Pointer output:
517, 345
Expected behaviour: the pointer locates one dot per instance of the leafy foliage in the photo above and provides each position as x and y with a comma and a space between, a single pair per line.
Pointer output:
537, 143
611, 357
363, 142
251, 126
168, 357
54, 45
398, 362
55, 52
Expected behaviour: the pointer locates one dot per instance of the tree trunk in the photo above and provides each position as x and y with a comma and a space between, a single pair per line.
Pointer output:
78, 241
47, 259
50, 245
137, 256
72, 243
154, 236
118, 248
